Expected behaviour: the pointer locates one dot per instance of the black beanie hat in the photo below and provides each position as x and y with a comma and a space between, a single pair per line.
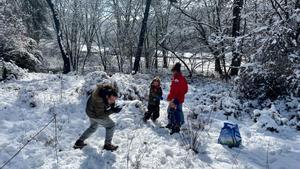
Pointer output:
176, 67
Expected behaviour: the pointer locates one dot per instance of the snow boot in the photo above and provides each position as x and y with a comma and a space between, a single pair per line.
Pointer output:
79, 144
169, 126
145, 119
110, 147
175, 130
153, 120
147, 116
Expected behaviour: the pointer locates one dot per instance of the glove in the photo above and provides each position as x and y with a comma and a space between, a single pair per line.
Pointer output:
158, 98
116, 109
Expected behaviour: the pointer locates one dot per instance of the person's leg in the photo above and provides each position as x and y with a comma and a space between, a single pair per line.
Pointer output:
155, 114
109, 125
178, 120
89, 131
169, 125
148, 114
86, 134
172, 114
181, 116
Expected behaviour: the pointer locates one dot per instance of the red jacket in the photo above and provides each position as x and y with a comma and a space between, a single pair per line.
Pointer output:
179, 88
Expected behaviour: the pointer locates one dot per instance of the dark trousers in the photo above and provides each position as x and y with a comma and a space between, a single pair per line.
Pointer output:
175, 116
153, 112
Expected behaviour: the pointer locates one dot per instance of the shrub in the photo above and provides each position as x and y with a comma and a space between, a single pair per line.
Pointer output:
274, 69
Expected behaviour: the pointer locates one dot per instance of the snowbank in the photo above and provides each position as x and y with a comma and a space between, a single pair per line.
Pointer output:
10, 71
129, 87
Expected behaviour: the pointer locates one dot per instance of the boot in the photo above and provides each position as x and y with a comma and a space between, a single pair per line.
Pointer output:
145, 119
175, 129
147, 116
153, 120
79, 144
169, 126
110, 147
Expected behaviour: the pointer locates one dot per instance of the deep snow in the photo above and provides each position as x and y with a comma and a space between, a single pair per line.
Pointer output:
29, 103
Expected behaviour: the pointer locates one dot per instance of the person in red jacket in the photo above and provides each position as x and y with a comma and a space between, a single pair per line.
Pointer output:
178, 89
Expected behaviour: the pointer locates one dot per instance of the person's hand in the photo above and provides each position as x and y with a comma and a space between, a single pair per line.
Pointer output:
172, 105
116, 109
157, 98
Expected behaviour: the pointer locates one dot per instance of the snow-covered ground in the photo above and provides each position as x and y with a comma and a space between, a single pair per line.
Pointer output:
26, 105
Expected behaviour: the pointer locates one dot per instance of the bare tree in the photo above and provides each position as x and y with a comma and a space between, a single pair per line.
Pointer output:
141, 38
236, 26
92, 16
66, 59
162, 27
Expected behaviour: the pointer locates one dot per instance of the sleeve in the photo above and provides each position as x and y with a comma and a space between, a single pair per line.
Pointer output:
186, 87
109, 109
160, 93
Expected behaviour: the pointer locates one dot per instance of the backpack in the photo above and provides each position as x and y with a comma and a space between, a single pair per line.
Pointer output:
230, 135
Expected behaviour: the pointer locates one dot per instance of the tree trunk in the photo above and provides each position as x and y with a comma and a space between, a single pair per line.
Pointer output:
66, 59
156, 48
88, 54
218, 67
165, 57
236, 58
179, 58
141, 38
147, 53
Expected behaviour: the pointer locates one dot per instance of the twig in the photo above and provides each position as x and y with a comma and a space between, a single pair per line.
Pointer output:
56, 140
129, 143
267, 162
28, 141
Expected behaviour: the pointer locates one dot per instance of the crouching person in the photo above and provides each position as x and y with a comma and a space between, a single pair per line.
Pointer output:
99, 106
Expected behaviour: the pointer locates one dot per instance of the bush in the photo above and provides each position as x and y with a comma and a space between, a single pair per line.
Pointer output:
195, 132
92, 79
22, 51
269, 119
9, 70
274, 70
15, 46
132, 87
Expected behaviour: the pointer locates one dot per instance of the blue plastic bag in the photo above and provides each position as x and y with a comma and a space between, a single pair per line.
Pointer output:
230, 135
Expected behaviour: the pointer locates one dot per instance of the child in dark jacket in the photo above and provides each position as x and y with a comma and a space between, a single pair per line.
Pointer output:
155, 96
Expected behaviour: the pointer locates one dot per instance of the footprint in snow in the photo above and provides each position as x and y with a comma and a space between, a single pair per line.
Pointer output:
169, 152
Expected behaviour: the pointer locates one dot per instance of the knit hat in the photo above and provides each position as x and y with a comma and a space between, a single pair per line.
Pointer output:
176, 67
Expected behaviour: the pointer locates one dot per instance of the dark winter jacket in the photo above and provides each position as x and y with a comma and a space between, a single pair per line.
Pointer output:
155, 95
97, 106
179, 87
